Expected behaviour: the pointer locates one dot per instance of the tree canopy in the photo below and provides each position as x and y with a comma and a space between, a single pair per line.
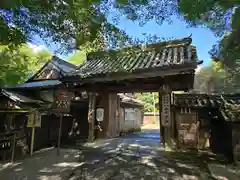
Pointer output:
78, 23
18, 64
147, 99
72, 23
85, 24
215, 79
223, 18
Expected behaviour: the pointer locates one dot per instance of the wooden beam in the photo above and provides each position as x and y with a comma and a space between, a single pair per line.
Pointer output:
91, 115
182, 82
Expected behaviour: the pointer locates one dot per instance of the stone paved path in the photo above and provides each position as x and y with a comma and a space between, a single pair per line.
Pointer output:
136, 157
140, 156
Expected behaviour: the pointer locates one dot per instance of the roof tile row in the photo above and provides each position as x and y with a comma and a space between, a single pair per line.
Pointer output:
129, 60
228, 105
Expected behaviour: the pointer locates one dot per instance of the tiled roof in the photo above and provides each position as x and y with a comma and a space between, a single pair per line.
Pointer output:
129, 100
196, 100
231, 107
37, 84
19, 98
49, 75
166, 54
228, 106
53, 69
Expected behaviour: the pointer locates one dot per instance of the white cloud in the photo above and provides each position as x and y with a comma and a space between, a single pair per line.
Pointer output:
36, 48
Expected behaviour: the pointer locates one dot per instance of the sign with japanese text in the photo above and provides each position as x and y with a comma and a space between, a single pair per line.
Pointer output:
34, 119
100, 114
166, 110
62, 101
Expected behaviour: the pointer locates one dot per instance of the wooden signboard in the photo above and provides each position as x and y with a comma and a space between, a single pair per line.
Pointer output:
62, 101
187, 126
34, 119
166, 110
100, 114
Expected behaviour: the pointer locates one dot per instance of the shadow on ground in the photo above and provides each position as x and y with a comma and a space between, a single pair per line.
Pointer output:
137, 157
42, 166
140, 156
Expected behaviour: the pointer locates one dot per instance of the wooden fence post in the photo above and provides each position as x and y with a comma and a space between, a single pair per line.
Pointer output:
59, 135
32, 140
13, 147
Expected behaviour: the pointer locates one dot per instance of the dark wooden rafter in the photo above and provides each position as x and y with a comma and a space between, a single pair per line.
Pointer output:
180, 82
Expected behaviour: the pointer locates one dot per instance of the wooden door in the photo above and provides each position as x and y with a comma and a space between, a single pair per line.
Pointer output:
187, 126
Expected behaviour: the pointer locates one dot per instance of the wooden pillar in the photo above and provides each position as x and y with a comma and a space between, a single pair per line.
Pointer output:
31, 123
91, 115
118, 125
106, 105
161, 127
111, 113
166, 119
59, 134
13, 146
32, 140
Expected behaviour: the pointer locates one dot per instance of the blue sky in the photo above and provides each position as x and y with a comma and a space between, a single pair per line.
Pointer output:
202, 38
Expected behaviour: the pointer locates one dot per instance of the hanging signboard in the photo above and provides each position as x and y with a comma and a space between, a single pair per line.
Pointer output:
62, 101
34, 119
166, 110
100, 114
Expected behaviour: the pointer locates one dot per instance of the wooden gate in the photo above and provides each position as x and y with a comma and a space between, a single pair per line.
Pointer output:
187, 126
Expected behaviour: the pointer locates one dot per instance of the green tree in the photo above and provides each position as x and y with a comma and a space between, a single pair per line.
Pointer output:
72, 23
215, 79
84, 24
147, 98
233, 77
19, 63
221, 16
